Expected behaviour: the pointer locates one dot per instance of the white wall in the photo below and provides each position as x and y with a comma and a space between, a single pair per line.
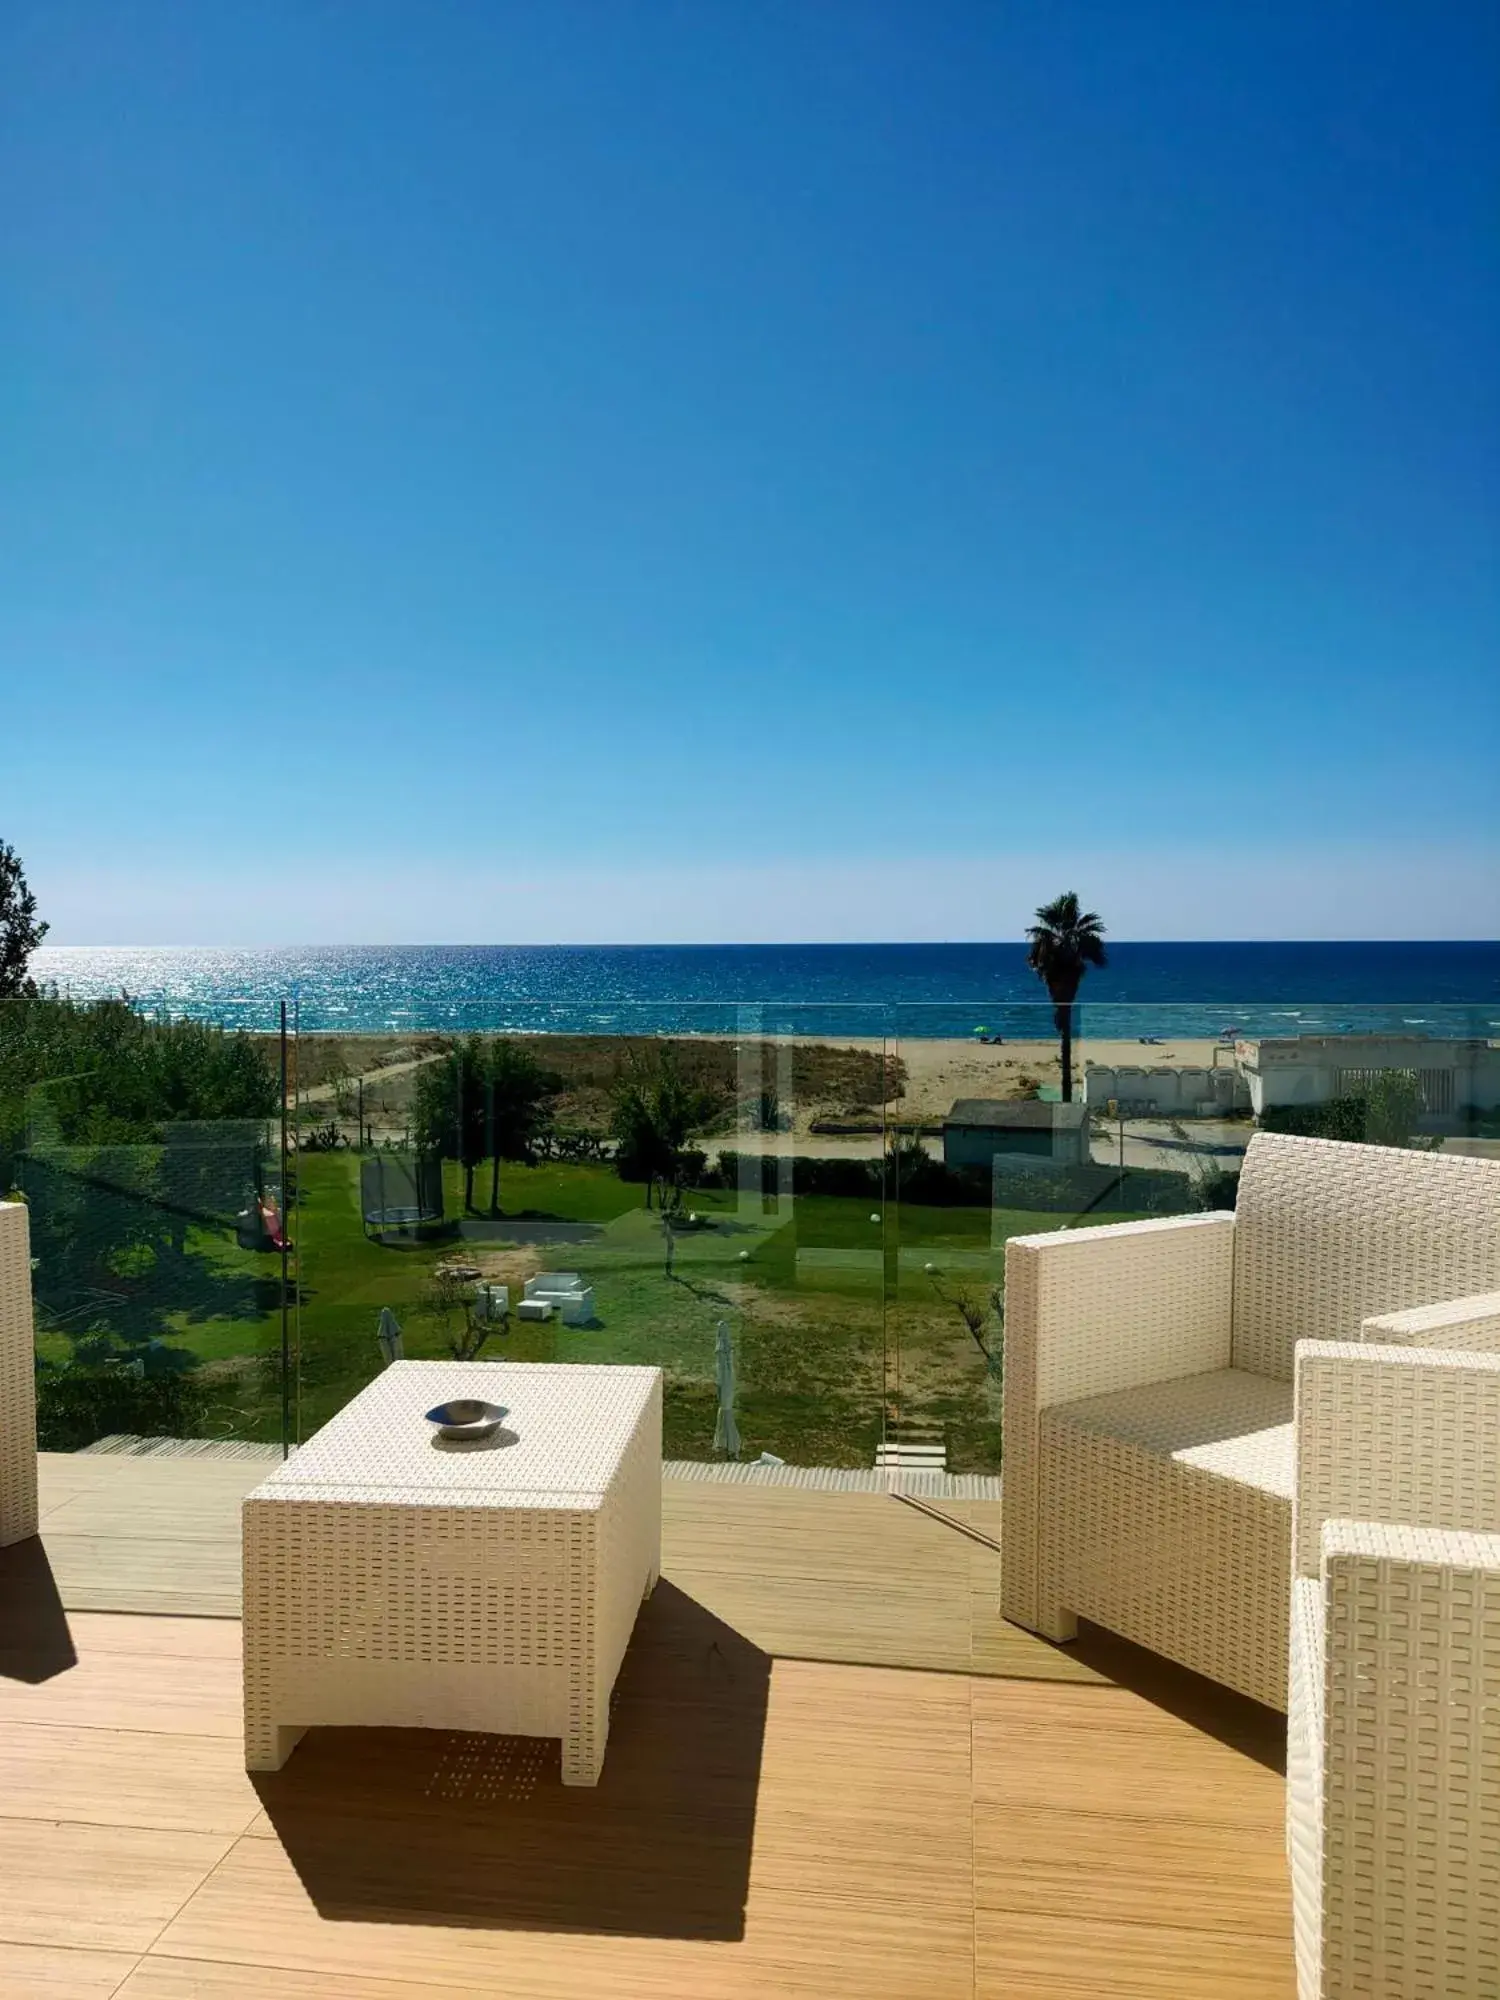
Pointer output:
1306, 1069
1163, 1091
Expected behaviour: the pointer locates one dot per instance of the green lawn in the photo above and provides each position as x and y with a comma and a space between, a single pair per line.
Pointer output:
832, 1311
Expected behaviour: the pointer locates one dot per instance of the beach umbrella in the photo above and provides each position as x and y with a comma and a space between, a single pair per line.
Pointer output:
726, 1430
388, 1333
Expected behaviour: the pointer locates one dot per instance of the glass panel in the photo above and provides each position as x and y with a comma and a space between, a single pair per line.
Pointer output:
990, 1141
148, 1152
631, 1185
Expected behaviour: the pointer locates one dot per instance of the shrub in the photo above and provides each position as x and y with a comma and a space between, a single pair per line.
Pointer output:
1385, 1113
79, 1404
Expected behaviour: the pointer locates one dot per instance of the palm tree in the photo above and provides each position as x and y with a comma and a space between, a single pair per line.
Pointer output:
1065, 942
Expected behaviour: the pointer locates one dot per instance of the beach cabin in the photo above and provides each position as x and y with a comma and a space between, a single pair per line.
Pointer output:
977, 1129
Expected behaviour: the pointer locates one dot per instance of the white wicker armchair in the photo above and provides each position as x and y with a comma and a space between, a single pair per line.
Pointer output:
1148, 1446
18, 1504
1393, 1736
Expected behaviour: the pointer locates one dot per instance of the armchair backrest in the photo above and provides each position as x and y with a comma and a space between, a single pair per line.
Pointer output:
1327, 1234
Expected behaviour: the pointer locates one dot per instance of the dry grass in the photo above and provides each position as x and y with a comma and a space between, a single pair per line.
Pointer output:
821, 1075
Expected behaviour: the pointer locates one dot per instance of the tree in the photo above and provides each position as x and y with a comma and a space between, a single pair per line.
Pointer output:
136, 1143
20, 930
482, 1101
519, 1094
449, 1113
446, 1300
655, 1114
1065, 942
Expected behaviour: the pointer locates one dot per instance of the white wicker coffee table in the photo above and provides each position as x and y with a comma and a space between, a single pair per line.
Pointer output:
392, 1581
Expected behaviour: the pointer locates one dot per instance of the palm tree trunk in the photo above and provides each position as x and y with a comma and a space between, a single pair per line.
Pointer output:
468, 1187
1064, 1019
495, 1184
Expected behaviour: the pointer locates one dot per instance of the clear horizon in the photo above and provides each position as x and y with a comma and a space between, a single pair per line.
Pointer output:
1364, 894
714, 944
596, 472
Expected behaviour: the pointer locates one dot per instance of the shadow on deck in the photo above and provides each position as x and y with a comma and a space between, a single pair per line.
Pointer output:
425, 1827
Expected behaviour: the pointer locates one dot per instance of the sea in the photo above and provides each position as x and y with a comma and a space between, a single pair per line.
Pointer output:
891, 990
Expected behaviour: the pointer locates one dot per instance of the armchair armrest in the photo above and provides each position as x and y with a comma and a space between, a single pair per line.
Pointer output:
1409, 1864
1088, 1311
1455, 1323
1406, 1435
18, 1494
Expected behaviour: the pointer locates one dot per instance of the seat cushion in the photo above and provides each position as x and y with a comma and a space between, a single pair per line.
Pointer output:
1167, 1516
1227, 1421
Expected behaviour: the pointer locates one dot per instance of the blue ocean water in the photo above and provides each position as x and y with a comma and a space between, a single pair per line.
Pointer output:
878, 989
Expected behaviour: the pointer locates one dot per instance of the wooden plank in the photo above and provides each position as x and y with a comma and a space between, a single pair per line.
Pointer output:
831, 1576
1093, 1867
171, 1577
105, 1888
51, 1972
183, 1695
40, 1643
1042, 1956
165, 1637
125, 1777
65, 1475
255, 1911
210, 1513
864, 1789
145, 1534
159, 1978
1084, 1750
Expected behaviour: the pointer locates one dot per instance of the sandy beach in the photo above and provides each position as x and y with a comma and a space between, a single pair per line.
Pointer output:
937, 1072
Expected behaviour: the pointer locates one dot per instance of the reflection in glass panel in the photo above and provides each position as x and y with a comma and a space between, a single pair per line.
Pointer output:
992, 1140
618, 1196
148, 1153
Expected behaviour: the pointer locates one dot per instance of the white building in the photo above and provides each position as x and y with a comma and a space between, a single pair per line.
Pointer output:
1162, 1091
1455, 1076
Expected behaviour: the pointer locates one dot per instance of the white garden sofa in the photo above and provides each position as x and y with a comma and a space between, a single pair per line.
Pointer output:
1148, 1447
569, 1297
1393, 1735
18, 1503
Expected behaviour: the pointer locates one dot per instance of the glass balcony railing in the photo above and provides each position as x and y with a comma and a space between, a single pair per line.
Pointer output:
800, 1214
149, 1153
612, 1196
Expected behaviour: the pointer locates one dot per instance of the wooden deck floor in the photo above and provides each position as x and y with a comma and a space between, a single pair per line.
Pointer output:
853, 1577
990, 1817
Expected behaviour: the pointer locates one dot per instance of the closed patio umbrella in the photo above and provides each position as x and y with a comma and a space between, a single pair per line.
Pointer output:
726, 1430
388, 1333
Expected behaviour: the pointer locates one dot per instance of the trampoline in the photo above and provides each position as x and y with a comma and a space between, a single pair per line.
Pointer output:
399, 1196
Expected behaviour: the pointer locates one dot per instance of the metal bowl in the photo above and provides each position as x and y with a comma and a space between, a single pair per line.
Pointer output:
466, 1418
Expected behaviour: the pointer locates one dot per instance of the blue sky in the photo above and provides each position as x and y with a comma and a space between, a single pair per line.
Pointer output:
610, 471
